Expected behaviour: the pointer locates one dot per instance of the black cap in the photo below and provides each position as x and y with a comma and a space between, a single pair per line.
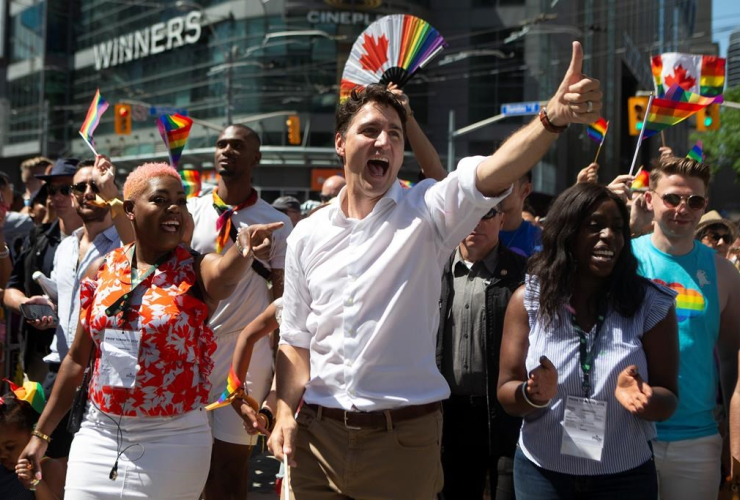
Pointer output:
63, 167
286, 203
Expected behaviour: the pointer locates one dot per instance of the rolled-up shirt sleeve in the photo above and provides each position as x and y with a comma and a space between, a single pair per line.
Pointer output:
455, 204
296, 299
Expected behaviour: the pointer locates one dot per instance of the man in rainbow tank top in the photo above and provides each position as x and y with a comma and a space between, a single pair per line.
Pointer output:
689, 446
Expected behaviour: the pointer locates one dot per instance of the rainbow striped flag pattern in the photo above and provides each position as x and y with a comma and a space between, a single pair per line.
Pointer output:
642, 180
233, 384
96, 110
698, 74
697, 152
31, 392
191, 182
597, 130
677, 105
406, 184
174, 130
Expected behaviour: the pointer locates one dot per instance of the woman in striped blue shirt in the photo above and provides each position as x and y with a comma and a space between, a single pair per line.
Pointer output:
589, 358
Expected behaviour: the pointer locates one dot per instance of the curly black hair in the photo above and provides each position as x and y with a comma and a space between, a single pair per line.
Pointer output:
17, 413
556, 267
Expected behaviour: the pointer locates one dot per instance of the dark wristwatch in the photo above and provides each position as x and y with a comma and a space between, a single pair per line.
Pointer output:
549, 126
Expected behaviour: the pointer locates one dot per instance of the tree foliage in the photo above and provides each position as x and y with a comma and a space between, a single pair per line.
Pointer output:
722, 147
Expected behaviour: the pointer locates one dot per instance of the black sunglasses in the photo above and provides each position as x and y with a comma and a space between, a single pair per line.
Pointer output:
490, 214
81, 187
716, 237
63, 190
694, 201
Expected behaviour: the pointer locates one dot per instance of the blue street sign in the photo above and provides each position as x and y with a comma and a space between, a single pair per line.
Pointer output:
520, 108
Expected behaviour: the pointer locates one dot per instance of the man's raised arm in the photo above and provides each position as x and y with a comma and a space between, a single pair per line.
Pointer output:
577, 100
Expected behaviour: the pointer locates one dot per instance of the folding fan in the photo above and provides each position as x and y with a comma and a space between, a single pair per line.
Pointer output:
390, 50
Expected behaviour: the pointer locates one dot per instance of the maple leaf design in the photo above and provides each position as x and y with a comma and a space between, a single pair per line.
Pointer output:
376, 53
680, 77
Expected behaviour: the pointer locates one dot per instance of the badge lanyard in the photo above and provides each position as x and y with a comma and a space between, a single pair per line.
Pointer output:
124, 300
587, 355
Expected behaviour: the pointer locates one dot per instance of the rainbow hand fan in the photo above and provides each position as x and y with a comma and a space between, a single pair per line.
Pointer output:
390, 50
174, 130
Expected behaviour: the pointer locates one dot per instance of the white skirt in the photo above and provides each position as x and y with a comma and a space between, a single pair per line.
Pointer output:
166, 458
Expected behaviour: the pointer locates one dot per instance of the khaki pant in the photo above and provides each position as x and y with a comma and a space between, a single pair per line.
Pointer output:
335, 463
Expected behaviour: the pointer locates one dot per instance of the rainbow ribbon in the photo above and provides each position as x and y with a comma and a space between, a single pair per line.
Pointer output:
234, 388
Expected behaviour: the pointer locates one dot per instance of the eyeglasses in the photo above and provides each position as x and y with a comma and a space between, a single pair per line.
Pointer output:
63, 190
716, 237
490, 214
81, 187
694, 201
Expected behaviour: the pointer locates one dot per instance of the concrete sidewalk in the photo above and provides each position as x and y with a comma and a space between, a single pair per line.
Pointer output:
262, 469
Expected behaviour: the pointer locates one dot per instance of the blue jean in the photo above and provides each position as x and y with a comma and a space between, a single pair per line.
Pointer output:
534, 483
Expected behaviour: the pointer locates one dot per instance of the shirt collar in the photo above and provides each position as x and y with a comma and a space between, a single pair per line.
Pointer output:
394, 194
490, 261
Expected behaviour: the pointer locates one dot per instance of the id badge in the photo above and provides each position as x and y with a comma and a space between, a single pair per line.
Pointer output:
584, 428
119, 357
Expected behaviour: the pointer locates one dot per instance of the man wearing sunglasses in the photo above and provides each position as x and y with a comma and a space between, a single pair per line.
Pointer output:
478, 437
689, 447
37, 254
331, 187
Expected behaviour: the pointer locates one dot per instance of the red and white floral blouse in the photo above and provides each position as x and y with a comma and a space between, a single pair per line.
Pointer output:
176, 343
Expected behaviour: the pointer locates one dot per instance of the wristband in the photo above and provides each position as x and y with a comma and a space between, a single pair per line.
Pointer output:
529, 401
270, 418
41, 435
549, 126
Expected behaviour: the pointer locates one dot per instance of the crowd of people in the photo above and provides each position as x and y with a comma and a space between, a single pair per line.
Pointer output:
438, 341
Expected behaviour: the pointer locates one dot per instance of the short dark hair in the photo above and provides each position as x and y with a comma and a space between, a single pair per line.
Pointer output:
4, 179
250, 133
359, 97
17, 413
556, 267
86, 163
673, 165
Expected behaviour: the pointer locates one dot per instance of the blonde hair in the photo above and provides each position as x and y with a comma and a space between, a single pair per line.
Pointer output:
137, 181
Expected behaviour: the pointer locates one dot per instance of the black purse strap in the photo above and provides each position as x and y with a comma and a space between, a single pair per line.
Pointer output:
258, 266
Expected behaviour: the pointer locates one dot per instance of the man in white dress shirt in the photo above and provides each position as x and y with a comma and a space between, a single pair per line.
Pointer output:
362, 284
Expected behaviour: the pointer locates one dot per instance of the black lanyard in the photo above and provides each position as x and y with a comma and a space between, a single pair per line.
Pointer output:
122, 303
587, 356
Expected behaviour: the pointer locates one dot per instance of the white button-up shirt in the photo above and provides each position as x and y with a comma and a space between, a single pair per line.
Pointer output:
363, 295
68, 274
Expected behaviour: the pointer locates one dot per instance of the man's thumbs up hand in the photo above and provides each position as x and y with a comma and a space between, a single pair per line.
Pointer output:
578, 99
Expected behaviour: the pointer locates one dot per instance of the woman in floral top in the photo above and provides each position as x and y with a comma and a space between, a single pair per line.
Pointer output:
145, 433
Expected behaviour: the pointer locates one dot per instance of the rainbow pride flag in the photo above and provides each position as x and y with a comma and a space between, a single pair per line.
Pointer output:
697, 152
677, 105
698, 74
31, 392
642, 180
96, 110
191, 182
406, 184
174, 130
597, 130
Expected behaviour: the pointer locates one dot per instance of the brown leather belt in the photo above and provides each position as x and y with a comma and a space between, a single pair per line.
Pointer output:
356, 420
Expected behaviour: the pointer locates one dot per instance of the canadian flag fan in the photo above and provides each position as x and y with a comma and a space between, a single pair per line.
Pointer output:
390, 50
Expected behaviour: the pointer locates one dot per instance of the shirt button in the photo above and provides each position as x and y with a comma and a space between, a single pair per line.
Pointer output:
350, 301
352, 393
351, 332
465, 335
138, 368
349, 362
467, 306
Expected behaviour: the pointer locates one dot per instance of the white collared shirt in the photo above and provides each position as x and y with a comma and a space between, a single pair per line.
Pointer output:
363, 295
68, 274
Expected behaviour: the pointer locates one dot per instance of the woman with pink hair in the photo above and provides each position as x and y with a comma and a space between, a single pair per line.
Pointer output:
143, 319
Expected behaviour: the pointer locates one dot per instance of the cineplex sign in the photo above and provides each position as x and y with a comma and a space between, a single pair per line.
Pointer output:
155, 39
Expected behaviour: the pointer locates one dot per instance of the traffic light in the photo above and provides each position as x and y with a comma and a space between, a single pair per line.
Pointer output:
708, 118
636, 107
123, 119
294, 129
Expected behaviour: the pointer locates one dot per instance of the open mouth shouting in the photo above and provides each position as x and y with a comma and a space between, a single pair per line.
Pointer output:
378, 166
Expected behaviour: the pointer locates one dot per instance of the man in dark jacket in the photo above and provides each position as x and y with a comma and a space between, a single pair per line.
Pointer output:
478, 438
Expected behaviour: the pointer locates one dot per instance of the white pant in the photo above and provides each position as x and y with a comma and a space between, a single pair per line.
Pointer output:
166, 458
689, 469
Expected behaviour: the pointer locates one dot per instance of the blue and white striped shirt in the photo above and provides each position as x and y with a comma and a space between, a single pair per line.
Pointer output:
619, 345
